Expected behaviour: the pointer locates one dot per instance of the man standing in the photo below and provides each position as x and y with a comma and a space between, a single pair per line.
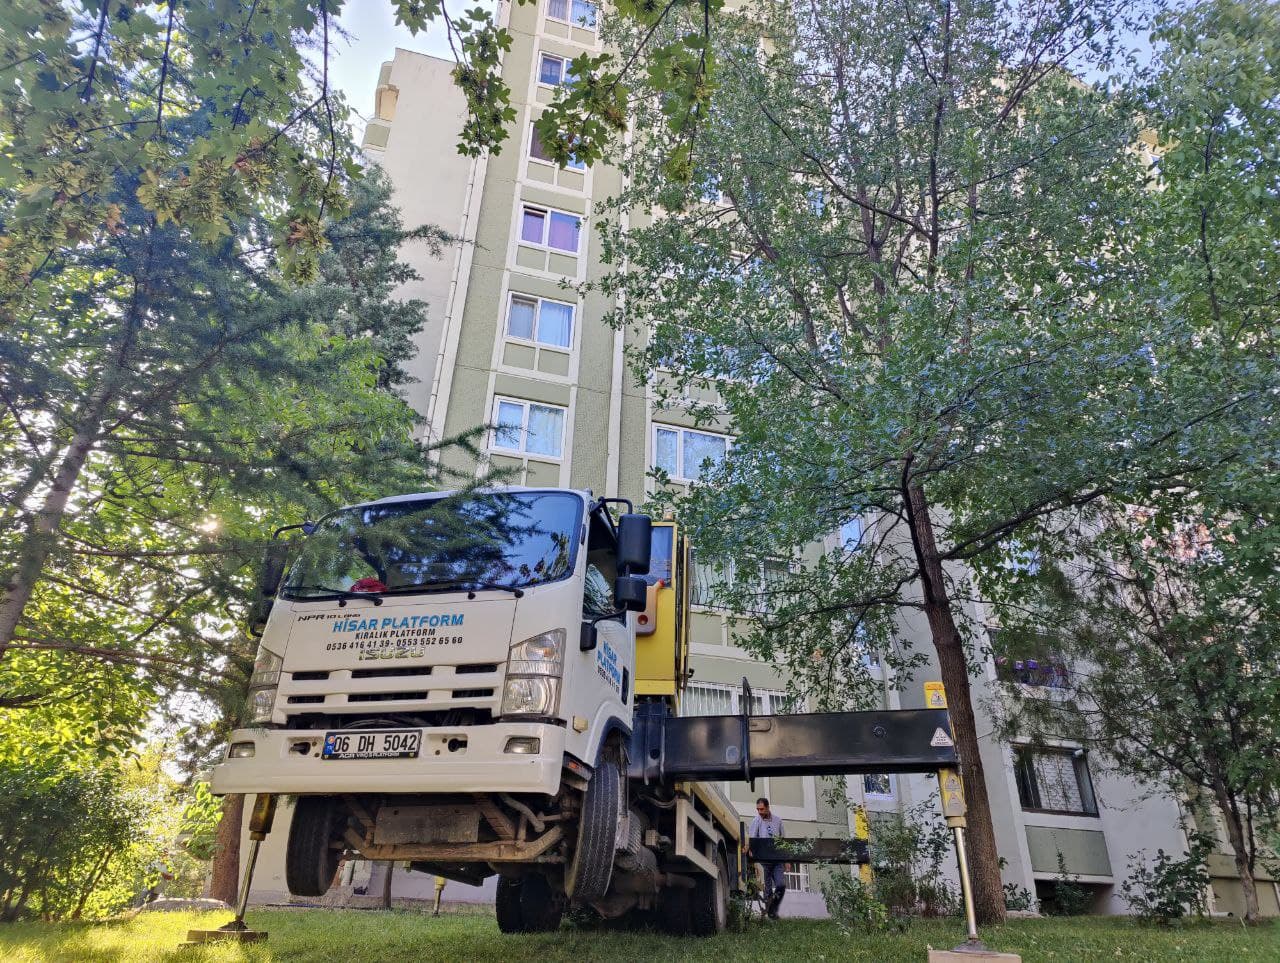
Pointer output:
768, 826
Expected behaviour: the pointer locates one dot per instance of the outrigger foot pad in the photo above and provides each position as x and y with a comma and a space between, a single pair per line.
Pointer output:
237, 931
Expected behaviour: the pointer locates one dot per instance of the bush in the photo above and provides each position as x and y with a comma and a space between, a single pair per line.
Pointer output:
1069, 897
84, 839
1169, 888
907, 853
853, 905
1018, 898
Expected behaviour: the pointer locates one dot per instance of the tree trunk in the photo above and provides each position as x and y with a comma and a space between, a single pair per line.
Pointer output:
41, 535
386, 884
980, 836
92, 883
1239, 849
226, 850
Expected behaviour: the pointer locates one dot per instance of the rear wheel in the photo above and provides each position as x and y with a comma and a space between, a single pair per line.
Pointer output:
587, 876
528, 905
310, 860
674, 904
709, 908
507, 905
541, 906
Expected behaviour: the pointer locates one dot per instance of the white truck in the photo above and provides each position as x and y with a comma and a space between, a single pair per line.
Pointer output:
452, 679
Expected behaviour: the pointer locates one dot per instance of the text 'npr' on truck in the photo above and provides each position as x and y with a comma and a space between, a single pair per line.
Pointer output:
455, 679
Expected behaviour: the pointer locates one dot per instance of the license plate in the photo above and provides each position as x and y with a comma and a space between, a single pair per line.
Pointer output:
379, 744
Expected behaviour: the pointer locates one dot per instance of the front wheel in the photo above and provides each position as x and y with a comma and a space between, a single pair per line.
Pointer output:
310, 859
587, 876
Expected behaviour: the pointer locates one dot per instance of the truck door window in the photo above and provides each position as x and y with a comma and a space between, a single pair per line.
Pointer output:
602, 569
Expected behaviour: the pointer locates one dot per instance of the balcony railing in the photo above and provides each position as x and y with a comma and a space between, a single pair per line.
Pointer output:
1046, 673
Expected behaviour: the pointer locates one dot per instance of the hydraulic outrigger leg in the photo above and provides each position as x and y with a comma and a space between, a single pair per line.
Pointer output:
264, 811
953, 810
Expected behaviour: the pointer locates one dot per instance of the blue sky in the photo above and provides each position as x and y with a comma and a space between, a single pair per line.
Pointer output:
374, 38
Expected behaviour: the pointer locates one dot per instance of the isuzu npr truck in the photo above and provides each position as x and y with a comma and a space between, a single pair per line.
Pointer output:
455, 680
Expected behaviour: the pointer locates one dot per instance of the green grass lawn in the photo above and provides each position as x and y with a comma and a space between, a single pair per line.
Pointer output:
351, 936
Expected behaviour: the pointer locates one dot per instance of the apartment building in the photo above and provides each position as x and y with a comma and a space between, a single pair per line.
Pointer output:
511, 342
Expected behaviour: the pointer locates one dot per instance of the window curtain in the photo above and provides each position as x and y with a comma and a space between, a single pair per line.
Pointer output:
546, 431
564, 232
555, 323
520, 318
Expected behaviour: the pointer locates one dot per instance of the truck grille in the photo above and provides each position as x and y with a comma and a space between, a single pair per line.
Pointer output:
351, 692
389, 673
385, 696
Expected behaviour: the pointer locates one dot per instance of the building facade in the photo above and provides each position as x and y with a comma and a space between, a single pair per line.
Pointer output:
510, 342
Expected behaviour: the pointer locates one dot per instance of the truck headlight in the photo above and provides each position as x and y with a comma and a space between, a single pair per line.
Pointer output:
530, 697
263, 684
534, 667
541, 655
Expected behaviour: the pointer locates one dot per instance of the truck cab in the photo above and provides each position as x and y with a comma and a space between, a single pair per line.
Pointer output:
426, 642
450, 679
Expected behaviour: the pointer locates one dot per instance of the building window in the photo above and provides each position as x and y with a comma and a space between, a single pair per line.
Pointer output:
580, 13
798, 880
851, 534
877, 785
538, 152
1054, 781
557, 230
1029, 662
528, 428
716, 699
711, 579
1048, 673
554, 71
540, 319
684, 454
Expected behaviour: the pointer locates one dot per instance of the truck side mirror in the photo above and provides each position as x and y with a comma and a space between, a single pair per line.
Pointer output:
635, 543
258, 612
272, 570
269, 576
629, 592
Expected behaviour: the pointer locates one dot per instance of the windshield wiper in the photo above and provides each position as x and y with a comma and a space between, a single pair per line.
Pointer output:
456, 586
342, 594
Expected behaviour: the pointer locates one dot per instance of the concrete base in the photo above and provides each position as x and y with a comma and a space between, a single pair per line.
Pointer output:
198, 937
987, 956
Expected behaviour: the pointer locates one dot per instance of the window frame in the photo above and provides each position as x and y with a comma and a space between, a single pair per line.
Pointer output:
564, 69
569, 5
526, 409
580, 167
1029, 795
875, 795
535, 341
546, 212
680, 433
758, 582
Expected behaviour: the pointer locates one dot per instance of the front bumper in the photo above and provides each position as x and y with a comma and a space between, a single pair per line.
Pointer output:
281, 764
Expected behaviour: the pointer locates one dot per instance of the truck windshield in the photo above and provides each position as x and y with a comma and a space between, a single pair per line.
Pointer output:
486, 540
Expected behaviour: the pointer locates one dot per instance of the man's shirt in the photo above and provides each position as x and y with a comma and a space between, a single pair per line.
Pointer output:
770, 828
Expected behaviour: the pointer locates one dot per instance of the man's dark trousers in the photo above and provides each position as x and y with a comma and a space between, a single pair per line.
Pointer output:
775, 886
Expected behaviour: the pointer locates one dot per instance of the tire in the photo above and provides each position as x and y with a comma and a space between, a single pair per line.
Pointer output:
674, 905
310, 862
709, 908
541, 907
507, 904
590, 869
528, 904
